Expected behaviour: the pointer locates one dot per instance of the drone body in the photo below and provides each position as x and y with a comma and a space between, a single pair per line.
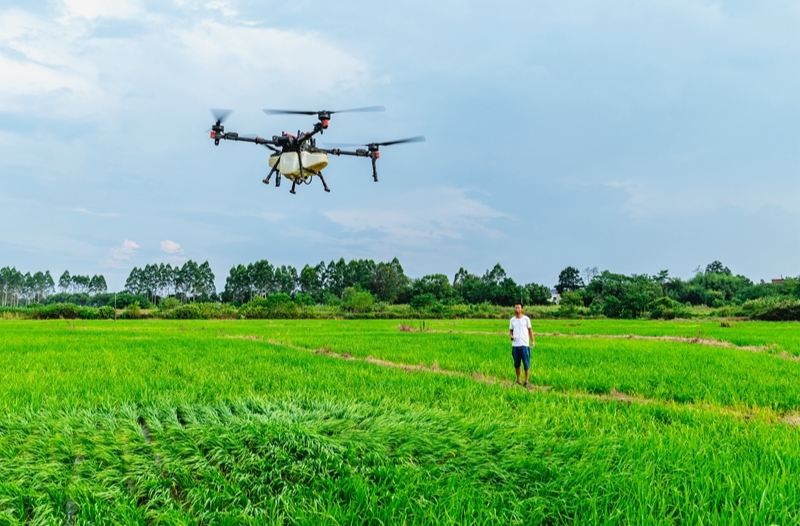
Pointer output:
297, 157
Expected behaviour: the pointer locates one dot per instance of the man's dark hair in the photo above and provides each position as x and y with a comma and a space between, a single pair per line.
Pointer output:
519, 303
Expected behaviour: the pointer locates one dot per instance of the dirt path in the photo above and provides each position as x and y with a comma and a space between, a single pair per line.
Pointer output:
678, 339
790, 418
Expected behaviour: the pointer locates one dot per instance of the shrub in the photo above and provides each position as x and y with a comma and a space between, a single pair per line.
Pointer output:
190, 311
331, 299
87, 313
168, 304
278, 305
356, 300
662, 308
105, 313
423, 301
304, 299
569, 304
67, 311
200, 311
786, 310
134, 311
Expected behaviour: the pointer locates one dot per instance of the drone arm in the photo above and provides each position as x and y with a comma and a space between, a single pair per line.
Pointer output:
337, 151
233, 136
318, 128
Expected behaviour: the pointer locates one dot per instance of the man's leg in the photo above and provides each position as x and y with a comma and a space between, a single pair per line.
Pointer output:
526, 374
526, 359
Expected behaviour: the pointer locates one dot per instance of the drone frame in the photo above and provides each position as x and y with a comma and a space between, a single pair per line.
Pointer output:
302, 142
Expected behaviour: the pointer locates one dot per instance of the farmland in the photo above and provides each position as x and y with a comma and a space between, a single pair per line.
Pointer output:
350, 422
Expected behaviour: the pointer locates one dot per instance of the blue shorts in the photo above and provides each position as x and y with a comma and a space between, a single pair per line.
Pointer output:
521, 355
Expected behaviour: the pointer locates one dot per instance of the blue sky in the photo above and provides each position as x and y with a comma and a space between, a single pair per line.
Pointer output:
632, 135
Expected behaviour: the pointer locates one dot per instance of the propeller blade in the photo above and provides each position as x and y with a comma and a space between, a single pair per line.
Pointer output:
418, 138
368, 108
298, 112
221, 115
289, 112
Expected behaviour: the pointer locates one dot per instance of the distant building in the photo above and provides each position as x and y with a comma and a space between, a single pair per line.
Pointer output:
777, 281
555, 297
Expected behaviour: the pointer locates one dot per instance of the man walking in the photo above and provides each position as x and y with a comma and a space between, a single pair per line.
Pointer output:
521, 342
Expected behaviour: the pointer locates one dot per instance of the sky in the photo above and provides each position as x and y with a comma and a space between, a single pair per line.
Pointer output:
628, 135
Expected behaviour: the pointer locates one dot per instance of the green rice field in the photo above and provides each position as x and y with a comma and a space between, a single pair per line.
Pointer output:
387, 422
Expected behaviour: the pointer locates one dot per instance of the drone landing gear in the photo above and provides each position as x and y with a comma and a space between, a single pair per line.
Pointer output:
294, 183
323, 182
269, 176
277, 179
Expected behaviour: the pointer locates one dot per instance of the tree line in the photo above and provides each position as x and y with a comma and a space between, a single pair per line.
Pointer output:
18, 289
603, 293
190, 282
327, 283
631, 296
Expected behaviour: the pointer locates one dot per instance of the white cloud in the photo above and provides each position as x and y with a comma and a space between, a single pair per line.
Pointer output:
86, 211
92, 9
60, 68
223, 7
171, 247
437, 213
118, 255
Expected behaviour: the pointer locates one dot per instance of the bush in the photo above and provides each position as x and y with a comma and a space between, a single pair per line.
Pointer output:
168, 304
190, 311
105, 313
569, 304
67, 311
356, 300
331, 299
423, 301
785, 310
133, 312
278, 305
201, 311
304, 300
662, 308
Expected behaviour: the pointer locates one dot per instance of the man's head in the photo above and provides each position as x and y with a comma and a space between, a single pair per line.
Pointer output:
518, 308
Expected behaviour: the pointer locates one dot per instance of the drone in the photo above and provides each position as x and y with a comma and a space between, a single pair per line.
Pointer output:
297, 157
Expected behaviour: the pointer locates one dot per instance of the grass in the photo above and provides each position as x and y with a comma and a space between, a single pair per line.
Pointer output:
660, 370
158, 422
780, 337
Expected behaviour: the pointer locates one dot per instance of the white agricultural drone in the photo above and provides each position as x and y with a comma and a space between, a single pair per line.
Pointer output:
297, 157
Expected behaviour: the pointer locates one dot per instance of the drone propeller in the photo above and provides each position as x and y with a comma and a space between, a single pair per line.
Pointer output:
221, 115
418, 138
323, 112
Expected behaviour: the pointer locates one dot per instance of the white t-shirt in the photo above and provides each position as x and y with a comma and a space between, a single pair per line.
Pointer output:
520, 327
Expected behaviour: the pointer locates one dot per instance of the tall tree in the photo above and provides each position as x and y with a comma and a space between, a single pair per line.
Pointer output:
65, 282
569, 280
388, 281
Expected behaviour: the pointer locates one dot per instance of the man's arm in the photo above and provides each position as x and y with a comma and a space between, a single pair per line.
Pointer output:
530, 331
